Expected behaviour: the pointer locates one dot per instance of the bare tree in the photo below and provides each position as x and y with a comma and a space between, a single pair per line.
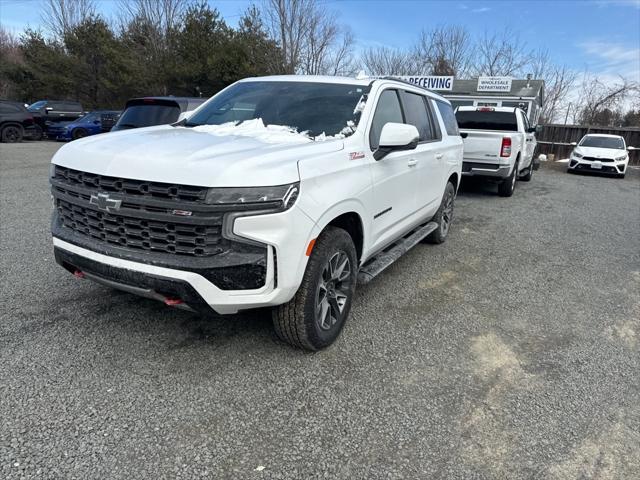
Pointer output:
60, 16
10, 55
162, 15
500, 54
445, 50
559, 82
596, 96
311, 40
389, 61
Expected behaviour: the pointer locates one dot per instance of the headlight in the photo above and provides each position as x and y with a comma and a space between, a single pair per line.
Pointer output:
620, 159
576, 155
276, 199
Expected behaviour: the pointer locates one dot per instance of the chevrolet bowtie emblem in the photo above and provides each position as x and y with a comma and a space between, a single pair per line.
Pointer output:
104, 202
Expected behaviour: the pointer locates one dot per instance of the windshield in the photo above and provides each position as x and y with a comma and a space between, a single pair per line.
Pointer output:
313, 108
479, 120
603, 142
89, 117
148, 115
37, 106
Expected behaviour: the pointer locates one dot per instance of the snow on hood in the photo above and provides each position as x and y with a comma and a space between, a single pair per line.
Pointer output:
273, 134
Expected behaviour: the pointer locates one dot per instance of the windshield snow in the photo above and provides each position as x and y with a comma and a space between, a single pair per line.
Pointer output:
317, 111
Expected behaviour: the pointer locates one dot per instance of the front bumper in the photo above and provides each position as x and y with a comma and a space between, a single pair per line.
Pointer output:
285, 235
611, 168
494, 170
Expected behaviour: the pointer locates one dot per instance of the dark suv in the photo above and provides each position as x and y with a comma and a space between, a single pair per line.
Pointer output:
150, 111
16, 123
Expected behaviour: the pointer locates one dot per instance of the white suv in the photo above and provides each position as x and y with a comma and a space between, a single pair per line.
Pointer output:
278, 192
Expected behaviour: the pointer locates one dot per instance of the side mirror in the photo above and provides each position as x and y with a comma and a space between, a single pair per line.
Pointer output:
396, 136
96, 122
532, 130
573, 144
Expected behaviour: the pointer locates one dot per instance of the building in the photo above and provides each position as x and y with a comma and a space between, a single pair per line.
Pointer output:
505, 92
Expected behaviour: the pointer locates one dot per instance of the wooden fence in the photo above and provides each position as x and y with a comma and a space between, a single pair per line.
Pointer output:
556, 139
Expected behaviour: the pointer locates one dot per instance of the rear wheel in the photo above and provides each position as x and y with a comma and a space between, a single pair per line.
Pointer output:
444, 216
508, 185
314, 318
12, 134
78, 133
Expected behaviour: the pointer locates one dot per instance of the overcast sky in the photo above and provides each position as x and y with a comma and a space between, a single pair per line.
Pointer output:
600, 36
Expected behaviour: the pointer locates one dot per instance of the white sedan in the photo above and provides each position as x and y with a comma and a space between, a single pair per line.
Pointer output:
600, 153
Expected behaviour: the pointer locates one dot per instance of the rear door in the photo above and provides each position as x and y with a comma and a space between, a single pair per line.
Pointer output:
395, 177
427, 155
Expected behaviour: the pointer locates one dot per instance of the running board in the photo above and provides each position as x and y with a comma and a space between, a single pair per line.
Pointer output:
380, 262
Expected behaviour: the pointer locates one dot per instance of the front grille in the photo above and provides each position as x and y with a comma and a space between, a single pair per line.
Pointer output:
132, 188
136, 233
604, 169
594, 159
155, 223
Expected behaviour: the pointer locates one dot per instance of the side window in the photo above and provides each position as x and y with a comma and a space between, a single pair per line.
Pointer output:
416, 113
387, 110
448, 117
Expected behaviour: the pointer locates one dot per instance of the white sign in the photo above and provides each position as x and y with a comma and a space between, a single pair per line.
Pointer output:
494, 84
430, 82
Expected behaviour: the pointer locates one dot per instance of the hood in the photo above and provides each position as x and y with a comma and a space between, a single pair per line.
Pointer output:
189, 157
600, 152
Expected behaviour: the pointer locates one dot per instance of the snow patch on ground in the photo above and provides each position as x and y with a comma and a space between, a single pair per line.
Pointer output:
564, 160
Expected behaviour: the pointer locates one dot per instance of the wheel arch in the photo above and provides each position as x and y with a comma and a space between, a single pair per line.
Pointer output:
351, 222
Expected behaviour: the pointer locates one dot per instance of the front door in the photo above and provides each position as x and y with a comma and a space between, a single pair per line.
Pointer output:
395, 177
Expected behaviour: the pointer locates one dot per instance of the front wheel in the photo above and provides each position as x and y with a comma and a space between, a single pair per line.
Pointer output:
444, 216
78, 133
314, 317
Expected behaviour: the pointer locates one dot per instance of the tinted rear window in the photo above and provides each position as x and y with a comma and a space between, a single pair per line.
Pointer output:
148, 115
477, 120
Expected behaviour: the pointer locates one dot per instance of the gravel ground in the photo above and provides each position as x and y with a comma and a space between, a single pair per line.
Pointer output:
511, 351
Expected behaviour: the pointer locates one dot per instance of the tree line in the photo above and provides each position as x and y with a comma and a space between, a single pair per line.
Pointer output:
185, 47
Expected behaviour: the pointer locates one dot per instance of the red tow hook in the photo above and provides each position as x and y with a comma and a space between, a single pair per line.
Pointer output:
173, 301
78, 274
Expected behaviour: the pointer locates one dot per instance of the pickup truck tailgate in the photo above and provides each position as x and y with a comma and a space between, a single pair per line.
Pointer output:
483, 146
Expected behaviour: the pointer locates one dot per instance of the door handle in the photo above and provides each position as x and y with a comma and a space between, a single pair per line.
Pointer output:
439, 156
412, 162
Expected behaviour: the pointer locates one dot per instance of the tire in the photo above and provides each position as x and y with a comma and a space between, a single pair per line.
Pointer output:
529, 175
12, 134
78, 133
508, 185
444, 216
315, 316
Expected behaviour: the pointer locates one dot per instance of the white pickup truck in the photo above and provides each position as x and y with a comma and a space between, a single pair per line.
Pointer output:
499, 144
278, 192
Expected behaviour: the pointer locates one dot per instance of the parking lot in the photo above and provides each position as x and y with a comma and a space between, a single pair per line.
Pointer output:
510, 351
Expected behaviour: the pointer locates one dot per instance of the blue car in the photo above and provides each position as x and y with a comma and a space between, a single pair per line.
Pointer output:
98, 121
